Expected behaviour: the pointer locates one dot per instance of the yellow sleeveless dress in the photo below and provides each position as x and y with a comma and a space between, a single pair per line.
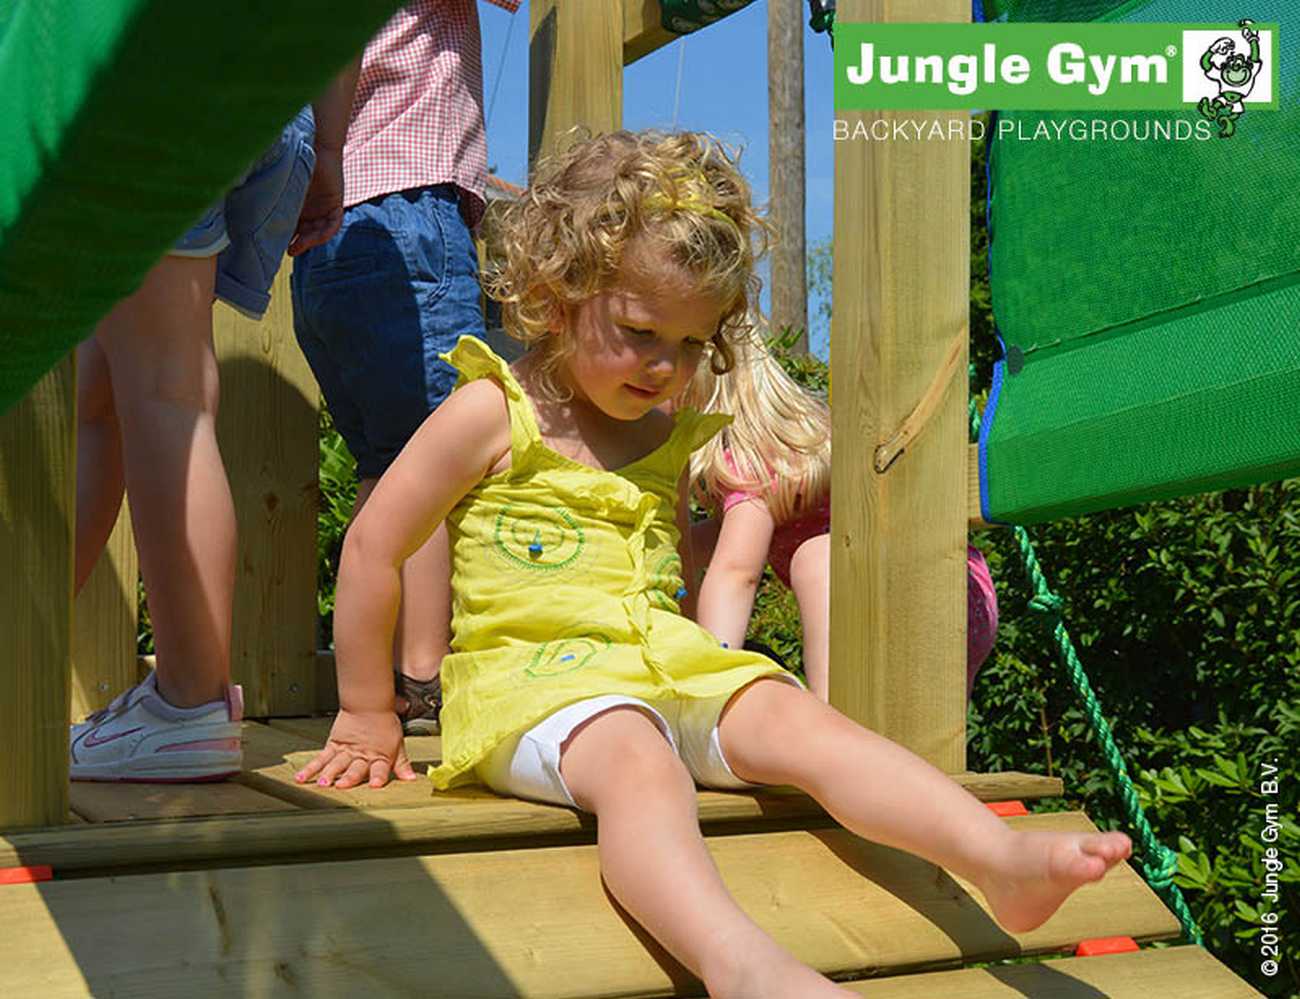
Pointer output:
565, 581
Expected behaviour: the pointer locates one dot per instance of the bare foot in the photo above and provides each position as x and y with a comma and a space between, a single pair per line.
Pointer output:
1044, 869
775, 974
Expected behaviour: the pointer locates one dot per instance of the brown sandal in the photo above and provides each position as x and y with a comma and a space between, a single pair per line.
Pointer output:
423, 704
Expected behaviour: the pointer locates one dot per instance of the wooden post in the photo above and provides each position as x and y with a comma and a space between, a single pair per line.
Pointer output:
785, 144
901, 292
575, 70
105, 620
37, 518
267, 428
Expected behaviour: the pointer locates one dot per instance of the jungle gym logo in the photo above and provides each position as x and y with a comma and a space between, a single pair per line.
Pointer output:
1216, 71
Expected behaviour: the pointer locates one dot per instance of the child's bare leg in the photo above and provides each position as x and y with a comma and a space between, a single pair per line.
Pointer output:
164, 373
653, 859
100, 479
810, 578
773, 733
423, 633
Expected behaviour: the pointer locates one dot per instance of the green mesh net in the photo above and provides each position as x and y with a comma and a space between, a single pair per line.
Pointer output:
1147, 291
120, 122
1051, 10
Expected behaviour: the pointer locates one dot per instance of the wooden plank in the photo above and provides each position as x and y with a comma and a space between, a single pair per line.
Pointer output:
514, 922
1185, 972
469, 818
974, 520
267, 430
575, 67
105, 621
314, 729
37, 502
643, 30
901, 290
105, 802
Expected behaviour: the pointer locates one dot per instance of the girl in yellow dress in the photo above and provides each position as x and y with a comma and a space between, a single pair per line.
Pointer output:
575, 677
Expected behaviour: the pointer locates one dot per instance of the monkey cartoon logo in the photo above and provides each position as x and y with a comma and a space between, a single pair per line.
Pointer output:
1235, 73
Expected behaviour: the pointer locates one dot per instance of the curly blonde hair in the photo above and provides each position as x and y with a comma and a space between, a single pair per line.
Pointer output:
566, 238
779, 443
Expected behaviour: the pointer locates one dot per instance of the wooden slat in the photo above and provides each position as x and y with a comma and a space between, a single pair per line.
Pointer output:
1182, 972
267, 429
974, 520
643, 31
102, 802
105, 620
901, 289
469, 818
514, 922
575, 67
37, 487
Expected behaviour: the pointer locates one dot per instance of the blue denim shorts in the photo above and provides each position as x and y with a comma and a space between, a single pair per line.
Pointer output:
375, 306
250, 226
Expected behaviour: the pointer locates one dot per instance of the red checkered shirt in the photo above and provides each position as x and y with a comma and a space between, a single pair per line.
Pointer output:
417, 119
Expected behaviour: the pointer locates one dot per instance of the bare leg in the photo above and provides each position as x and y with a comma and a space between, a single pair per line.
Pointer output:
164, 375
653, 859
773, 733
423, 634
810, 577
100, 480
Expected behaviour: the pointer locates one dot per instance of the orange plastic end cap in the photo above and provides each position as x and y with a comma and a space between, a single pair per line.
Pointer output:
1105, 945
1007, 808
25, 875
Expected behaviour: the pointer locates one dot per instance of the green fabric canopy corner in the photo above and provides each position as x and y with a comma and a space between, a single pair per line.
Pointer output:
1147, 293
120, 122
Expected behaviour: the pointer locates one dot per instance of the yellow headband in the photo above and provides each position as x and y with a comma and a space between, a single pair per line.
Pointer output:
691, 201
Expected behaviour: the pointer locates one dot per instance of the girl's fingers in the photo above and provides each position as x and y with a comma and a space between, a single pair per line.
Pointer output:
334, 768
354, 775
403, 769
379, 771
314, 765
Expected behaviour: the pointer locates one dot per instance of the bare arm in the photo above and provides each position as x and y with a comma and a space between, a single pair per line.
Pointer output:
727, 594
460, 442
686, 548
322, 208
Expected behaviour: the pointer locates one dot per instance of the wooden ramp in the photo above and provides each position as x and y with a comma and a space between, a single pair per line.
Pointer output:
263, 887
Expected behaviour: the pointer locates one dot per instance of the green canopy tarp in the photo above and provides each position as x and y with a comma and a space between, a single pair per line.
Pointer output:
1147, 292
120, 122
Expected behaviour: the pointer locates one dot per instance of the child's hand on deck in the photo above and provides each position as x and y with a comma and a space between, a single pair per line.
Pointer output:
363, 747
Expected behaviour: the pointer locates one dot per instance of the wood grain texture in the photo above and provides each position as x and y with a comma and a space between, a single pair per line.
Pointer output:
402, 817
901, 290
575, 67
267, 429
1184, 972
785, 142
37, 517
643, 30
105, 621
516, 922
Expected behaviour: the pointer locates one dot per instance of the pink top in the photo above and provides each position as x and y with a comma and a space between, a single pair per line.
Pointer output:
981, 598
787, 537
417, 119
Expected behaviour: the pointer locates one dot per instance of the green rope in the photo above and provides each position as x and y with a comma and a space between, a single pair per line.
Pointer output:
1158, 862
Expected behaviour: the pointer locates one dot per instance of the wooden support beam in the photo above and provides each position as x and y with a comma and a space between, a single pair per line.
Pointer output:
37, 514
105, 621
267, 428
643, 31
575, 70
901, 290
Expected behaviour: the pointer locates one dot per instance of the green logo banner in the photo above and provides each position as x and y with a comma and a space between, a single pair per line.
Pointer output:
1049, 67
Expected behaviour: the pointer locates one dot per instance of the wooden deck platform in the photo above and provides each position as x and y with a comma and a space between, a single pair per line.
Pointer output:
263, 886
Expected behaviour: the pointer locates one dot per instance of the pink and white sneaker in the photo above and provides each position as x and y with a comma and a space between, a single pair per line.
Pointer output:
140, 737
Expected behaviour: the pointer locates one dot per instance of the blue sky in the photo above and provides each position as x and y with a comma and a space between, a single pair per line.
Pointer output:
723, 90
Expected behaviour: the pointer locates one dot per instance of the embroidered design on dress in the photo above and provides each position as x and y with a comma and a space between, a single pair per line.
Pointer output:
565, 655
545, 539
